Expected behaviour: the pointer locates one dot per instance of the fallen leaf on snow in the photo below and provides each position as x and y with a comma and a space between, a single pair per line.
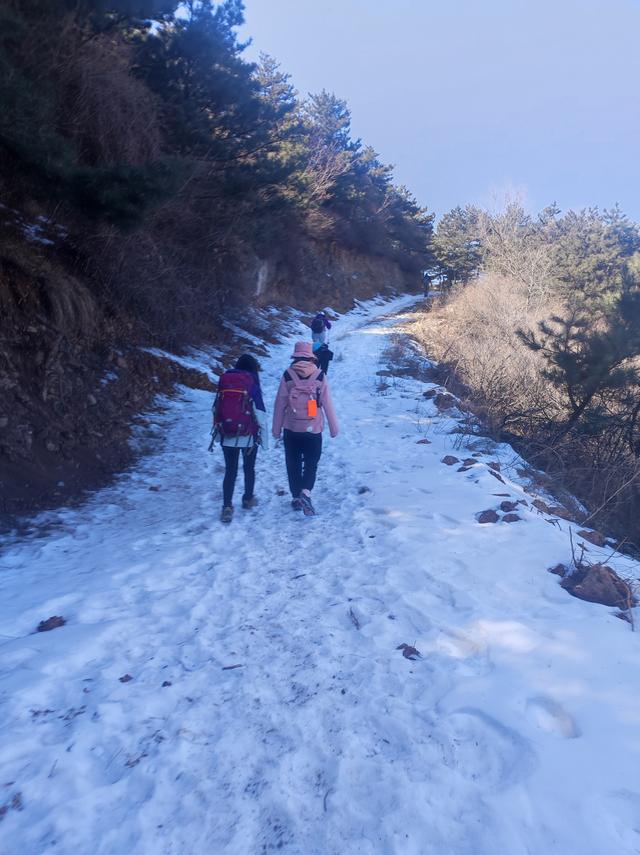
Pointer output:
409, 652
51, 623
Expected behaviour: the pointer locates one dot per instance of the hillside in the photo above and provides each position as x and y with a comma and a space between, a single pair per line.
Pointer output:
153, 184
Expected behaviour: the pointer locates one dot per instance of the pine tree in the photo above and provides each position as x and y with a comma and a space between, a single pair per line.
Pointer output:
590, 255
329, 121
592, 363
457, 246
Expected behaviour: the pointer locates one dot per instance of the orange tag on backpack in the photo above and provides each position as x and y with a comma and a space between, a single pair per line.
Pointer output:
312, 408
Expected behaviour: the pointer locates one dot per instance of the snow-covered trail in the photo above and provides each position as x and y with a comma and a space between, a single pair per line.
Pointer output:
269, 707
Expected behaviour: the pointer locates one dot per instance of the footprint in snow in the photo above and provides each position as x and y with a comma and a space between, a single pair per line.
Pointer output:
484, 750
551, 717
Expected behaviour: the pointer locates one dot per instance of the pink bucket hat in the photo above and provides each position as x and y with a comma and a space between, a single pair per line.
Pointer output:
302, 349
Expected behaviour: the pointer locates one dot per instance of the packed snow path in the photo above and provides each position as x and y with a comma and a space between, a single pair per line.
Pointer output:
240, 689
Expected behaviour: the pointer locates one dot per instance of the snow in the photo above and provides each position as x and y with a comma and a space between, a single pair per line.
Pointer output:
35, 232
269, 706
205, 360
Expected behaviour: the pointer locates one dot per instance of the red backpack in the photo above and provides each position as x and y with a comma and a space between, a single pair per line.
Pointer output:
233, 409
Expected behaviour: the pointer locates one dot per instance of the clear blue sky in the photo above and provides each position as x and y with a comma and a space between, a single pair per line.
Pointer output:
471, 99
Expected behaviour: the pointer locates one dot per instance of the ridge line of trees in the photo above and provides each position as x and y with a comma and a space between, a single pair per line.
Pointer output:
141, 124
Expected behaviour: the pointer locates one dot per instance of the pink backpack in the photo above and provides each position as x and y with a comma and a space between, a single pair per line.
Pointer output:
304, 400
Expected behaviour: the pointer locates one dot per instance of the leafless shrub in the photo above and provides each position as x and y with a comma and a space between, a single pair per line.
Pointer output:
514, 248
110, 114
474, 333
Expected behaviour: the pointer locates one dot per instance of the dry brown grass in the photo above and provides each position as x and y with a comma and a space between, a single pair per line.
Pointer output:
473, 334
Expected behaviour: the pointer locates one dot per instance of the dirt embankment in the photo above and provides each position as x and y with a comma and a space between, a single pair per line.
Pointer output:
73, 372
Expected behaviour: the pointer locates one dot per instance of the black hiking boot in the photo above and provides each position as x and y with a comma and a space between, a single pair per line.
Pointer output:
296, 504
248, 504
307, 506
227, 514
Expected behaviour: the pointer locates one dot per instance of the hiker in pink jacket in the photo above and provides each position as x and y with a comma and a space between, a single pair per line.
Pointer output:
302, 401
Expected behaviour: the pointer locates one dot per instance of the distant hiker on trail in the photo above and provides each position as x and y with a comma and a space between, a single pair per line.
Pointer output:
303, 397
240, 422
324, 357
320, 325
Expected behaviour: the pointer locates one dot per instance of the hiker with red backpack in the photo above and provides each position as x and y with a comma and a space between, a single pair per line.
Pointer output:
240, 423
302, 401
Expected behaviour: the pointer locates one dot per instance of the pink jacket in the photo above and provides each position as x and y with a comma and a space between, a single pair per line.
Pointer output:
282, 416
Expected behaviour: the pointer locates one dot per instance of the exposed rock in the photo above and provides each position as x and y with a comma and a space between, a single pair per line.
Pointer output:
493, 464
559, 570
363, 490
496, 475
552, 510
511, 518
595, 537
541, 506
444, 401
53, 622
599, 584
430, 393
488, 517
450, 460
563, 513
507, 507
424, 441
126, 678
469, 461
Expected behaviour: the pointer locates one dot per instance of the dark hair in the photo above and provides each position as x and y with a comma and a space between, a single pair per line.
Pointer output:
248, 363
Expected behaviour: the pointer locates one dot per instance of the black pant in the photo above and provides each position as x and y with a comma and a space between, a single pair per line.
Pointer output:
231, 456
302, 453
323, 360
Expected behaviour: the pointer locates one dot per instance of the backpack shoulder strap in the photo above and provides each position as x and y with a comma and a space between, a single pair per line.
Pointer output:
294, 377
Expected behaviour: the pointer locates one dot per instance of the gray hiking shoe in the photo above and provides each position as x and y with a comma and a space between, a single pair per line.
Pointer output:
247, 504
307, 506
227, 515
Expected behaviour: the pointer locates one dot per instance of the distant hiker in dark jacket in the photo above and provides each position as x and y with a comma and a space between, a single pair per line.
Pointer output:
302, 401
324, 357
240, 423
320, 325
